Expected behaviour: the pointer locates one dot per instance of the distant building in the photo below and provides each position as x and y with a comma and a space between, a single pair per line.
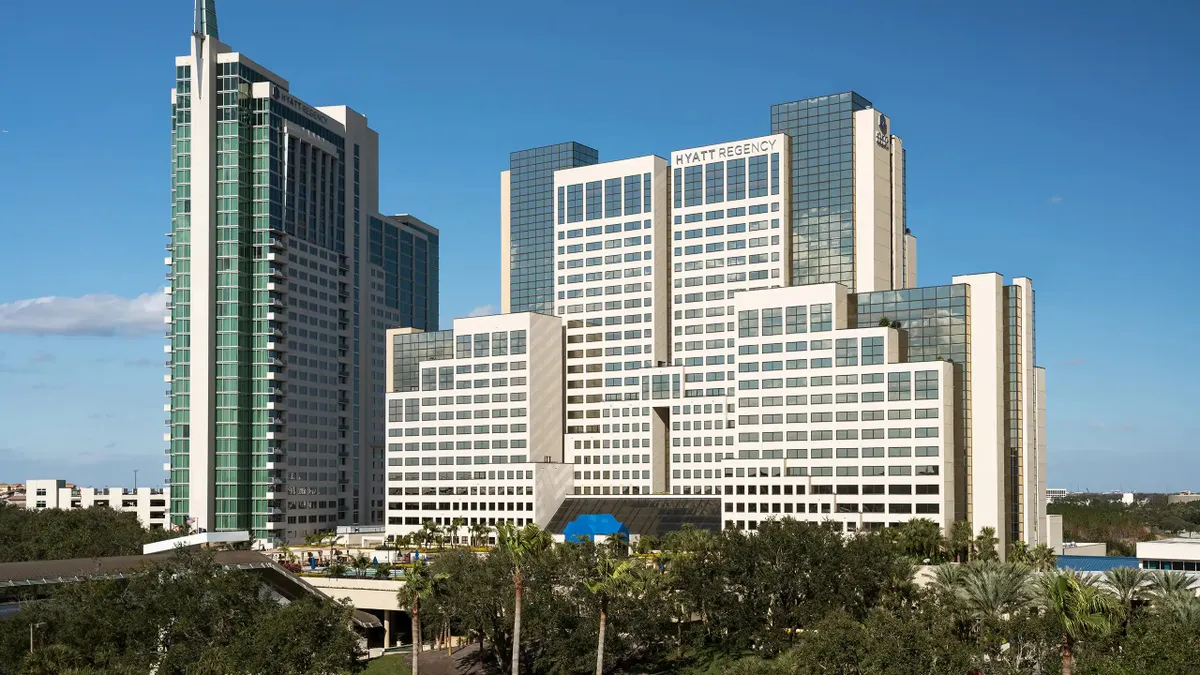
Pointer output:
1055, 494
150, 504
1183, 497
1182, 554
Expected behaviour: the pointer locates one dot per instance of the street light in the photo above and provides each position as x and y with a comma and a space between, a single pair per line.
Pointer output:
39, 624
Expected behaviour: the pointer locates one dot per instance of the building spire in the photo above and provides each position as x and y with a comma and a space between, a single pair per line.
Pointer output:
206, 18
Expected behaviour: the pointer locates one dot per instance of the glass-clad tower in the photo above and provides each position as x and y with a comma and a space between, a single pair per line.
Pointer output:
527, 223
848, 189
278, 263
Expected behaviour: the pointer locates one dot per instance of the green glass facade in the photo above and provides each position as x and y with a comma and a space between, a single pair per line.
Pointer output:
179, 279
531, 221
822, 134
934, 326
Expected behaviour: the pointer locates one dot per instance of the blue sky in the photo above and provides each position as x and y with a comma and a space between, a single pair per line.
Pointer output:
1048, 140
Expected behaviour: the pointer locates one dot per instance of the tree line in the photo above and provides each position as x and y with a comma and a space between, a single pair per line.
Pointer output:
798, 598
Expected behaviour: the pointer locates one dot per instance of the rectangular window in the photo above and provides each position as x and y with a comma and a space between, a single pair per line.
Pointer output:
595, 194
736, 183
821, 317
772, 321
633, 195
714, 183
899, 386
872, 351
677, 188
927, 385
693, 191
575, 203
748, 323
758, 176
612, 198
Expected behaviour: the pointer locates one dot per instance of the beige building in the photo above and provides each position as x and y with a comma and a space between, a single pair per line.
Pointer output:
149, 504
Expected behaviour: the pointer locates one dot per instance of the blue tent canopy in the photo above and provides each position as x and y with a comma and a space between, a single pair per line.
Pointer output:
588, 526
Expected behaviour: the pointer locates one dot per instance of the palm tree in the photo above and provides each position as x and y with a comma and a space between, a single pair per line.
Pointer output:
1079, 611
419, 582
480, 531
383, 571
1165, 583
336, 569
920, 538
1129, 585
1183, 605
455, 526
1018, 552
946, 579
991, 590
985, 544
960, 540
609, 576
361, 563
1042, 558
522, 546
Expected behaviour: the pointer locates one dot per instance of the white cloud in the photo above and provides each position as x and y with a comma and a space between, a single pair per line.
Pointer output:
482, 310
1056, 199
97, 314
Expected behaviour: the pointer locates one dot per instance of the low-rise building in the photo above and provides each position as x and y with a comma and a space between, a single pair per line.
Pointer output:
1181, 554
148, 503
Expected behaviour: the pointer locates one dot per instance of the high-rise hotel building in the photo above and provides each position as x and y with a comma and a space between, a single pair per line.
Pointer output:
741, 333
283, 277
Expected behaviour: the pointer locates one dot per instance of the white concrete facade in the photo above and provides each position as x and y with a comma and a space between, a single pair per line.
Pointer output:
879, 192
482, 439
831, 423
149, 504
778, 400
611, 288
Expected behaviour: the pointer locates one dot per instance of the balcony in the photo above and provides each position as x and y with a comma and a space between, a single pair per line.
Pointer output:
275, 462
278, 363
275, 272
276, 286
167, 261
277, 345
274, 525
275, 257
276, 243
278, 316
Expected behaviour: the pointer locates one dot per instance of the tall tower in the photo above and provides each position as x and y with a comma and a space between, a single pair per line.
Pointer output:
527, 223
282, 278
848, 212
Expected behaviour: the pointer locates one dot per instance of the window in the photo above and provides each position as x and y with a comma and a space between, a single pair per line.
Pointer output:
693, 185
899, 386
736, 188
846, 352
772, 321
821, 317
517, 344
927, 385
612, 198
574, 203
594, 200
758, 176
714, 183
872, 351
748, 323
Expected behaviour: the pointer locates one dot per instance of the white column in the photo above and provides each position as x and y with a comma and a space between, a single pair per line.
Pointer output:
505, 244
986, 456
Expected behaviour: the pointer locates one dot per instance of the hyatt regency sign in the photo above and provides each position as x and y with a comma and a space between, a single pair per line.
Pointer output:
730, 151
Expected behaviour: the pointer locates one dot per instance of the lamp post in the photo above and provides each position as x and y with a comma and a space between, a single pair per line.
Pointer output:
31, 627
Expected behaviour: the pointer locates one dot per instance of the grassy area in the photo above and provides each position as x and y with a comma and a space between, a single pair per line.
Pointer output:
393, 664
